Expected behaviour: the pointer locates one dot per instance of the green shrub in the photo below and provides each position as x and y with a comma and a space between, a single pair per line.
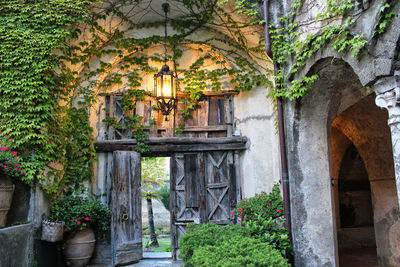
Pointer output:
262, 215
164, 197
234, 245
238, 251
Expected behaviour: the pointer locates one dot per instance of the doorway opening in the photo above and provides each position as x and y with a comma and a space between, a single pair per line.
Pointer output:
156, 219
360, 140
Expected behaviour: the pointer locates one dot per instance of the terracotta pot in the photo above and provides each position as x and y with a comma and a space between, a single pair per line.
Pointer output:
6, 194
79, 249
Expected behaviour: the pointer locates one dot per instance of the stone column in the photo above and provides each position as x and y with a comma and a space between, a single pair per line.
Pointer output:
388, 96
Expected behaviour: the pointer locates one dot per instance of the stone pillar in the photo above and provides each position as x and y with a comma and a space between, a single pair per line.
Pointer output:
388, 96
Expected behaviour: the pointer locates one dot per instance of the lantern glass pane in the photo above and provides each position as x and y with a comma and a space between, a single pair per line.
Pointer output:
159, 85
167, 90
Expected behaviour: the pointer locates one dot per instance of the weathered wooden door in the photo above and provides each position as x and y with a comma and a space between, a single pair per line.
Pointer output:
203, 189
126, 221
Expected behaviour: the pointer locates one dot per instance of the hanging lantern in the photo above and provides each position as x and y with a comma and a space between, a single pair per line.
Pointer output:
165, 80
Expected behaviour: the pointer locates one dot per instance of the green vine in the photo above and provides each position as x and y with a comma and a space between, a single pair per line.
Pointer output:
287, 47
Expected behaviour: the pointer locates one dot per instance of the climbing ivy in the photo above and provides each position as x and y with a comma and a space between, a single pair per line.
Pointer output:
288, 46
48, 82
31, 90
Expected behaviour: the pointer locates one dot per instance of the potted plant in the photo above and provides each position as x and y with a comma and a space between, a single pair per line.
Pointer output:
9, 168
84, 220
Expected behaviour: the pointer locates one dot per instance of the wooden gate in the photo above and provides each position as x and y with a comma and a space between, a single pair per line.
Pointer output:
126, 208
203, 189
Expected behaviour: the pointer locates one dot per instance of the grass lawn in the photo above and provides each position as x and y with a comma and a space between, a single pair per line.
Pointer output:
163, 242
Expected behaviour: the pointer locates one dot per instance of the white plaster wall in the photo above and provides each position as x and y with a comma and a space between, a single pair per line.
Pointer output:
260, 163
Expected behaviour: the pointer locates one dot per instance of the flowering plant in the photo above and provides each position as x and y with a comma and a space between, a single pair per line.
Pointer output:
78, 213
9, 160
262, 215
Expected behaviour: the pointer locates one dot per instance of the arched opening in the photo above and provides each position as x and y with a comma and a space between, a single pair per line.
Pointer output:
363, 179
340, 139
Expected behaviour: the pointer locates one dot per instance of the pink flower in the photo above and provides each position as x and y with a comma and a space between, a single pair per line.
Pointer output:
278, 211
269, 204
78, 223
16, 165
240, 214
240, 209
14, 153
260, 210
261, 196
72, 220
22, 173
232, 213
9, 140
242, 201
239, 219
5, 167
255, 219
87, 219
245, 206
3, 148
79, 218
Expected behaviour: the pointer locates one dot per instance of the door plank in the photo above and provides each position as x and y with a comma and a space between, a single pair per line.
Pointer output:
126, 222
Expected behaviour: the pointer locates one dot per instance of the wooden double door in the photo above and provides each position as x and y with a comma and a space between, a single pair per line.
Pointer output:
203, 189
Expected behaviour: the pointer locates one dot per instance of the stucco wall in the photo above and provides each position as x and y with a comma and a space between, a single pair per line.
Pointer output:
260, 163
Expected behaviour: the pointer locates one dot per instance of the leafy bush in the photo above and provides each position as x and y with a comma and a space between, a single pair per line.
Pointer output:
262, 215
214, 245
164, 197
238, 251
78, 213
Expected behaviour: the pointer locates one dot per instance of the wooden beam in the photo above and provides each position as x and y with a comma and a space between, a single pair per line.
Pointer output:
175, 144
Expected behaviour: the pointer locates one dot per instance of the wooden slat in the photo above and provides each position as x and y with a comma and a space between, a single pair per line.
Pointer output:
210, 128
168, 149
192, 181
218, 185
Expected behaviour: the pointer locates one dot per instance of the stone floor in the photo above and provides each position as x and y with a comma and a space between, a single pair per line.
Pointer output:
362, 257
157, 259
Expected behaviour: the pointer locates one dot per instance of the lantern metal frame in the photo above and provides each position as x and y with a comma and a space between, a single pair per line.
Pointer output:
165, 103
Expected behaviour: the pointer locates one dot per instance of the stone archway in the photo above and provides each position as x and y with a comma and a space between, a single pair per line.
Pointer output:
314, 213
363, 129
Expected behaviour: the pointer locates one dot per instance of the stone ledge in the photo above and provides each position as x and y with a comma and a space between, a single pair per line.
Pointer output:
17, 245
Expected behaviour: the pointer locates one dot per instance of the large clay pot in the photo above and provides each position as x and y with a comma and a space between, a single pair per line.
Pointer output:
79, 249
6, 194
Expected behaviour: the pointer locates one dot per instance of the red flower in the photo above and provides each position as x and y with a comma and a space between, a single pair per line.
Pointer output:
3, 148
232, 213
260, 210
269, 204
78, 223
87, 219
66, 229
242, 201
255, 219
79, 218
261, 196
16, 165
22, 173
278, 211
240, 214
72, 220
9, 140
5, 167
14, 153
240, 209
245, 206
